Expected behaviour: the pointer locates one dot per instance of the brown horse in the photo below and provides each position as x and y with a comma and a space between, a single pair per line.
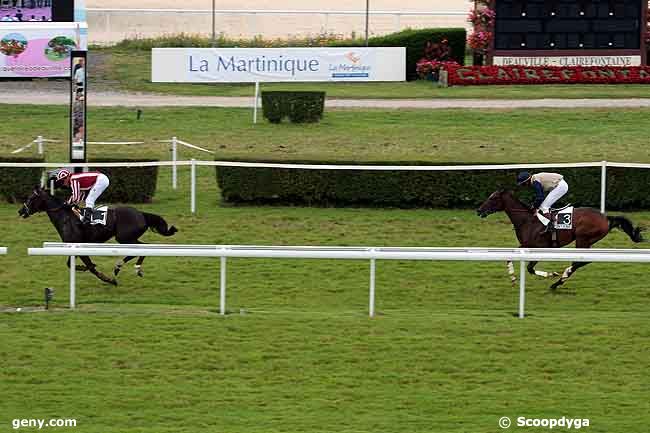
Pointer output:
589, 226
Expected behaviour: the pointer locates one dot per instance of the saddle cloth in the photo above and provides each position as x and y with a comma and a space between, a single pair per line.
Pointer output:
563, 218
98, 217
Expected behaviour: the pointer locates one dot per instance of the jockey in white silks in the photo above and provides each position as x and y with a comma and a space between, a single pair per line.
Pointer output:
549, 188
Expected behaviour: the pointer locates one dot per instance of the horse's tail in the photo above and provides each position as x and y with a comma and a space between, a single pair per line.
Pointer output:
158, 224
626, 225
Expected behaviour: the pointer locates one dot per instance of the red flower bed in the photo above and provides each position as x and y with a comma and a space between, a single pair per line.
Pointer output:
480, 75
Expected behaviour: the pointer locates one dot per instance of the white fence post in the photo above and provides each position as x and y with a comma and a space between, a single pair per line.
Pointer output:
174, 158
73, 269
39, 141
222, 286
522, 288
371, 308
193, 187
255, 103
51, 186
603, 186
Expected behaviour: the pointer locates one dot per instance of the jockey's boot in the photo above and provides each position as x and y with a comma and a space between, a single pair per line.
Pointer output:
87, 215
549, 226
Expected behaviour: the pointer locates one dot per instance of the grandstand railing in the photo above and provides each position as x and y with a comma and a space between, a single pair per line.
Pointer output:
193, 164
521, 255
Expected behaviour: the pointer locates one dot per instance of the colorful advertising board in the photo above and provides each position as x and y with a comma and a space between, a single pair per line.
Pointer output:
250, 65
39, 50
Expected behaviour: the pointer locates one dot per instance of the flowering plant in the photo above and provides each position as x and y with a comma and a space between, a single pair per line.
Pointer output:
482, 19
425, 68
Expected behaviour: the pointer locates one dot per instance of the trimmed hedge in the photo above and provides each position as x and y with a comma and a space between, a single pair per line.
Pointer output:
16, 184
411, 189
128, 184
299, 106
415, 41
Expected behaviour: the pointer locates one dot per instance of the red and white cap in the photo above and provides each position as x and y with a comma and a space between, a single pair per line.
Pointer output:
62, 174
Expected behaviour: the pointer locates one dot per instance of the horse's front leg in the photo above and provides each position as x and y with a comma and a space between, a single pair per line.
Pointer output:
511, 272
93, 269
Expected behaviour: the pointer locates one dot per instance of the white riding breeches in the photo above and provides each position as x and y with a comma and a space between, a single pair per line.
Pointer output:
97, 190
554, 195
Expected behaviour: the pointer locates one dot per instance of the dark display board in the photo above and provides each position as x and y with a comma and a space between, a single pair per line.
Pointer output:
568, 24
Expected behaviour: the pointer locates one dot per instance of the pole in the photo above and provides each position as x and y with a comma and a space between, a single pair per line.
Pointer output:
603, 186
73, 271
367, 20
193, 188
222, 287
39, 141
214, 33
257, 95
372, 287
522, 288
174, 157
51, 186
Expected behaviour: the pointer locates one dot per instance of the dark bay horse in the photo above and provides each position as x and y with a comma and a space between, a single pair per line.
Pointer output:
589, 226
126, 224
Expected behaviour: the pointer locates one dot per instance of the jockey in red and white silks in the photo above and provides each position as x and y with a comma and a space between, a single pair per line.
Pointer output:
91, 185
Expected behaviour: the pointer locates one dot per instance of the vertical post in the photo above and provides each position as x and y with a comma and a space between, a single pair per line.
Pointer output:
39, 142
193, 188
222, 287
52, 187
372, 288
73, 269
214, 32
174, 157
522, 288
255, 103
603, 186
367, 20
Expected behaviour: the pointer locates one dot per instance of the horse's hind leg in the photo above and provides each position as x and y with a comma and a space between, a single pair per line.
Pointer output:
543, 274
78, 268
138, 267
118, 266
93, 269
567, 273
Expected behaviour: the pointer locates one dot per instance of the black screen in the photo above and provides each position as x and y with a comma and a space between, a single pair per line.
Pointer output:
63, 10
567, 24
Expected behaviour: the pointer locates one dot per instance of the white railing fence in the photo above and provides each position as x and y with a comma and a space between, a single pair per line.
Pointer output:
193, 164
3, 251
110, 25
373, 254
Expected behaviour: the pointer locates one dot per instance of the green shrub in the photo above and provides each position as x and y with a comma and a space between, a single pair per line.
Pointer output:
16, 184
409, 189
415, 41
128, 184
299, 106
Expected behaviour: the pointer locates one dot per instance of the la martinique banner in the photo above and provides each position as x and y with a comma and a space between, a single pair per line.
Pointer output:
250, 65
39, 49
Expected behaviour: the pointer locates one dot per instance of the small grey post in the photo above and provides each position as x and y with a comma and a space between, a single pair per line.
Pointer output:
256, 102
39, 141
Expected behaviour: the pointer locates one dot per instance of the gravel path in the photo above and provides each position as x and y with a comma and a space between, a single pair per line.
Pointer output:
56, 93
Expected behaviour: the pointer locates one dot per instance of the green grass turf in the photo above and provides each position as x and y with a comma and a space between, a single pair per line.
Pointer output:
131, 71
297, 353
495, 136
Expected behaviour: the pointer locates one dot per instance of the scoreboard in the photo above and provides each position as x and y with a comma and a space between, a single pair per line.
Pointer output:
569, 28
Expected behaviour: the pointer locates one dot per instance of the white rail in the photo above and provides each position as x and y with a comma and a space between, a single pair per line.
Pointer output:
373, 254
174, 163
3, 250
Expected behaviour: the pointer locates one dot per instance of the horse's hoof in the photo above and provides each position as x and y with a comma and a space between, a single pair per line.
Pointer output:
139, 273
113, 282
116, 271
